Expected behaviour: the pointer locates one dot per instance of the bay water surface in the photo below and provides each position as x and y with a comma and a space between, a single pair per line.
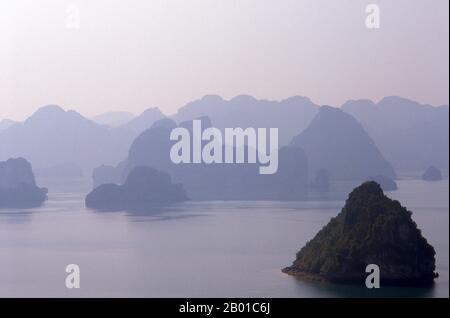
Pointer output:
194, 249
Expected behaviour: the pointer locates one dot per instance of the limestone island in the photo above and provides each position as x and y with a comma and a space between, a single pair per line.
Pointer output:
144, 187
370, 229
432, 174
18, 187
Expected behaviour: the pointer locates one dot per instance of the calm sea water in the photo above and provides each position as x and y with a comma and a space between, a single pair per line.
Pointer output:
197, 249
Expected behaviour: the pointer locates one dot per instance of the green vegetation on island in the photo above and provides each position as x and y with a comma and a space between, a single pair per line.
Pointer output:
370, 229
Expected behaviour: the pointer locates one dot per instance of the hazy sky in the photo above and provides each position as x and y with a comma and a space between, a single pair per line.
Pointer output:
135, 54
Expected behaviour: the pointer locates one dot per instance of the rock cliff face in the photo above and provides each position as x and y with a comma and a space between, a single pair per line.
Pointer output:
18, 186
143, 188
370, 229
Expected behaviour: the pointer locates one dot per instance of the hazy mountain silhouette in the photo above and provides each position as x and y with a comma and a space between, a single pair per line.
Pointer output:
410, 135
213, 181
52, 136
144, 121
144, 187
290, 116
432, 174
105, 174
113, 119
18, 186
386, 183
6, 123
335, 141
321, 181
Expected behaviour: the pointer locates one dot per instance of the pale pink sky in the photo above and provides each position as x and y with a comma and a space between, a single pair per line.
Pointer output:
134, 54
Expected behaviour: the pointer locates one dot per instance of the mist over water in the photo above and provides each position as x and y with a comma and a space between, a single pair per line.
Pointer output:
193, 249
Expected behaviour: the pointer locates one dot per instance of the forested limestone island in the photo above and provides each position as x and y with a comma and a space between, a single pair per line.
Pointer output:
144, 187
370, 229
432, 174
18, 187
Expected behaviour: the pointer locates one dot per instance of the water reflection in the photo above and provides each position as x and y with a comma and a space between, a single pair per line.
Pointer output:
330, 290
15, 216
